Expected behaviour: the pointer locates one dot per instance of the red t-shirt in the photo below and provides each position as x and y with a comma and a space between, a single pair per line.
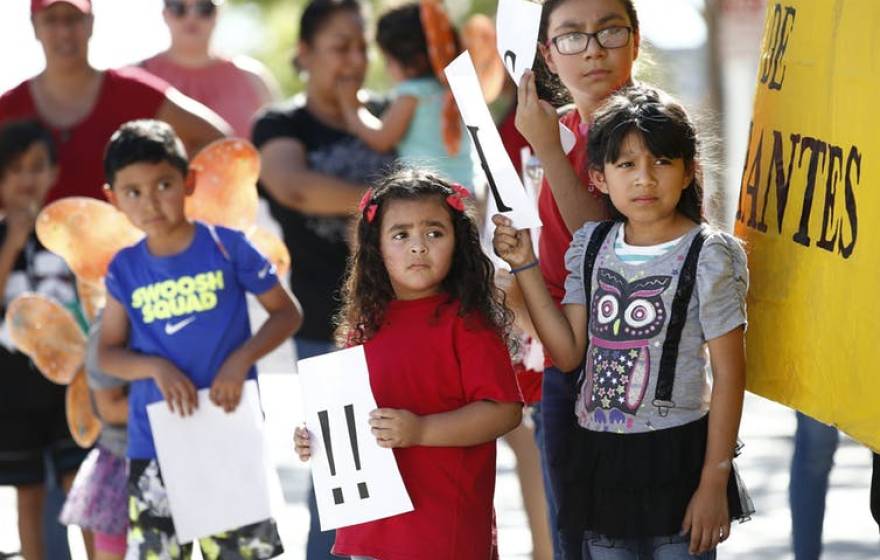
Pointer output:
427, 359
555, 237
126, 94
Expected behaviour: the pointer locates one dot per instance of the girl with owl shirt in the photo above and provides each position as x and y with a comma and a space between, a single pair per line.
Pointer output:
650, 472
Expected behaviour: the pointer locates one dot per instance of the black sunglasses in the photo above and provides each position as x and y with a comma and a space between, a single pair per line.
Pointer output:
202, 8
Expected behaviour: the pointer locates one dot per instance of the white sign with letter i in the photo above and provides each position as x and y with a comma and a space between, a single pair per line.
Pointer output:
355, 480
508, 194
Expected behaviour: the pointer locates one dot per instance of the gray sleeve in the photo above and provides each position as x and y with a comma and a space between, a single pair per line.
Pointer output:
722, 283
98, 379
574, 264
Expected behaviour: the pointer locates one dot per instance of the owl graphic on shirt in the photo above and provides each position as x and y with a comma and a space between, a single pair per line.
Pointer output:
624, 318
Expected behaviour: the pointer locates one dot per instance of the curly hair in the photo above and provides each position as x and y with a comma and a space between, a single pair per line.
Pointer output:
367, 290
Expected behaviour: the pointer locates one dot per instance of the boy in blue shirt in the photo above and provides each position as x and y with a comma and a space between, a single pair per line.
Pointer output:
176, 321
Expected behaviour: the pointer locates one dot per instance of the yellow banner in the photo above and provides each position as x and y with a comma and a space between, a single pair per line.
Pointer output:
809, 211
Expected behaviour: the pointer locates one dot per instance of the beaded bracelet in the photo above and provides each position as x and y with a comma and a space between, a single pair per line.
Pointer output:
524, 267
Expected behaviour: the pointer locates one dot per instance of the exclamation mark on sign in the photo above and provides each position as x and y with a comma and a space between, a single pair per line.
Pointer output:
352, 435
325, 431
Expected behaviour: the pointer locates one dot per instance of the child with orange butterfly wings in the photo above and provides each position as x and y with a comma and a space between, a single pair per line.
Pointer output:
421, 123
32, 408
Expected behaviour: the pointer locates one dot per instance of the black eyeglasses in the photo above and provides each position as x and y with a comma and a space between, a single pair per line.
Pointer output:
577, 42
202, 8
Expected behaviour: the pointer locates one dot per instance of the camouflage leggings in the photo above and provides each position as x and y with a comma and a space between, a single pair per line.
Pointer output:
151, 531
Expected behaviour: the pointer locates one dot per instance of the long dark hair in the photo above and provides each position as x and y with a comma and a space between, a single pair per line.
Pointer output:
367, 290
549, 86
666, 129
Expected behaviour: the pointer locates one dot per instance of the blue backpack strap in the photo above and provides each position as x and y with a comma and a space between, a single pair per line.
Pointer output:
216, 237
687, 279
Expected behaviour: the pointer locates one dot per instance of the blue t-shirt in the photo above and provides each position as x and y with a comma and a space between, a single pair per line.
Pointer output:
188, 308
422, 145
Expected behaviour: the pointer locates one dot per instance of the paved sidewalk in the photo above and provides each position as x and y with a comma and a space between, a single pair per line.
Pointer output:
850, 533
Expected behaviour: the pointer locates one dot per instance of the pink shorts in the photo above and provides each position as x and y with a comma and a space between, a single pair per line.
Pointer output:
114, 544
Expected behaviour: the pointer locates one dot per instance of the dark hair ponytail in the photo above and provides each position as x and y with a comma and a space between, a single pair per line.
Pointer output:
400, 34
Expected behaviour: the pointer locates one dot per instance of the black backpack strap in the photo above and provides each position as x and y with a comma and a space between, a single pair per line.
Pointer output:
687, 278
592, 251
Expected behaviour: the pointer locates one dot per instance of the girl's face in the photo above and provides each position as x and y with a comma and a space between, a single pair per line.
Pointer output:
337, 55
28, 179
417, 241
643, 187
594, 74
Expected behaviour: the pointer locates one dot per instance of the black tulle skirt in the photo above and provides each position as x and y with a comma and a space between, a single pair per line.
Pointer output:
638, 485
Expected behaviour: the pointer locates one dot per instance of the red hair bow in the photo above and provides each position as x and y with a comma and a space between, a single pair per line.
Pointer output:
456, 199
367, 204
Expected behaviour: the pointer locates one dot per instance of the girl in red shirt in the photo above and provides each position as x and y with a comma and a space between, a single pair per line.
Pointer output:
420, 297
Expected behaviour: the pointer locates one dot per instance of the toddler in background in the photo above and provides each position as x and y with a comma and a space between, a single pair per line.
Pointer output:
420, 123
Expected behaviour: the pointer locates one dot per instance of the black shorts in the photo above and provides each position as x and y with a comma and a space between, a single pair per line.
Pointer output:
26, 436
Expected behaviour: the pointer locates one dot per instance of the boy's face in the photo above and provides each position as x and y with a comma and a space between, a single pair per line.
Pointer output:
152, 196
28, 179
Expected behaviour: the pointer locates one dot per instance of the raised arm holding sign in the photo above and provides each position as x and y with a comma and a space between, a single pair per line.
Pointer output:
517, 25
508, 194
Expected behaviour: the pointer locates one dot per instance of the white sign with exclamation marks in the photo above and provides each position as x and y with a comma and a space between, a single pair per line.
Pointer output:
355, 480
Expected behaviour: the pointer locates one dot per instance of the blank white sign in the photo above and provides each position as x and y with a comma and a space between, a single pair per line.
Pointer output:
213, 464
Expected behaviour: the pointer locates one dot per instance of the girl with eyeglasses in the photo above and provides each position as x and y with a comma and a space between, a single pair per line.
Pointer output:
587, 49
235, 88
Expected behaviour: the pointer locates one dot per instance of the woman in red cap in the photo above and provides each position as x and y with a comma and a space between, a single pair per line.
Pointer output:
82, 106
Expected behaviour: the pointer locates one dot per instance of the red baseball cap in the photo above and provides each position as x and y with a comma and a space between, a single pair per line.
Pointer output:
85, 6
